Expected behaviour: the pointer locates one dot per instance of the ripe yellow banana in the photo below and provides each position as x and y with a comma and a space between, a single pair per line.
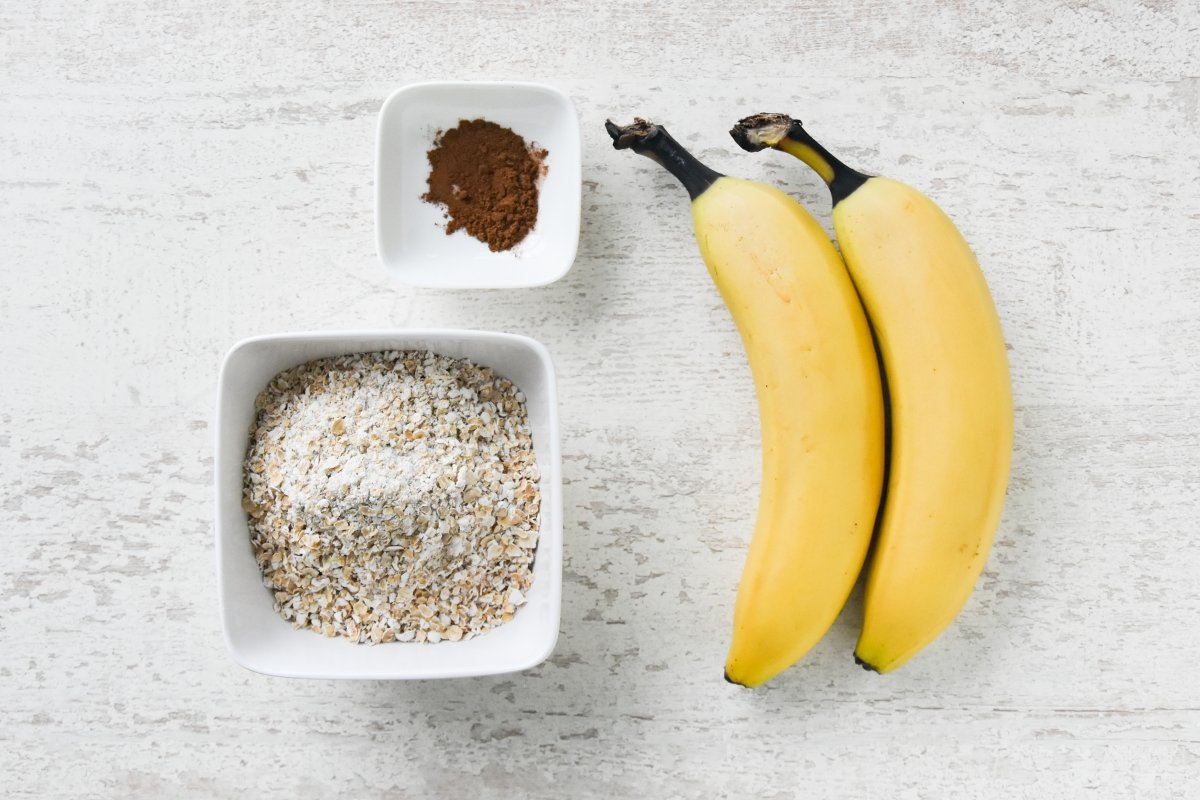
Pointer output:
820, 404
946, 374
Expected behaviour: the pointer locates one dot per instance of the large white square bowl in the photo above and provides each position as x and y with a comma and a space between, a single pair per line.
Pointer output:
261, 640
411, 234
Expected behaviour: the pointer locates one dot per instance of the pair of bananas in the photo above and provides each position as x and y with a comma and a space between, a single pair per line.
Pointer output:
810, 323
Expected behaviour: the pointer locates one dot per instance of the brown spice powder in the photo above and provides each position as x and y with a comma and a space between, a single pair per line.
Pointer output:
487, 176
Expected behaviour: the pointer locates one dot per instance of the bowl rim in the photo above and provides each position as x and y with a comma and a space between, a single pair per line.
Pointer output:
575, 132
554, 456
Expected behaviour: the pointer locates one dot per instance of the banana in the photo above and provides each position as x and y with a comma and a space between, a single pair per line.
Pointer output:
946, 376
820, 404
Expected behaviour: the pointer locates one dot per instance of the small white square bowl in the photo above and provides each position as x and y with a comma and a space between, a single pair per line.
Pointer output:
260, 639
411, 233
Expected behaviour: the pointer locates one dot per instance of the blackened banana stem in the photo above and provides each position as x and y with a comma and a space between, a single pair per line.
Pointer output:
784, 133
655, 143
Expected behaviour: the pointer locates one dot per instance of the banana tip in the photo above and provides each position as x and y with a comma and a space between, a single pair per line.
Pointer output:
627, 136
865, 665
759, 131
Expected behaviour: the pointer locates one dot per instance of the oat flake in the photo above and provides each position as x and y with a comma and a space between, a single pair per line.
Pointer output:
393, 496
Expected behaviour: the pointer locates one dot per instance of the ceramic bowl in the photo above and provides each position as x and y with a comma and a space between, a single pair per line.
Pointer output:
411, 233
260, 639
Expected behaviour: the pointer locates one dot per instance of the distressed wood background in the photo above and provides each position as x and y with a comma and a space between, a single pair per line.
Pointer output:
176, 176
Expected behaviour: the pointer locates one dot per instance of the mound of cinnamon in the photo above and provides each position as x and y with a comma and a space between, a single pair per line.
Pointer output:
487, 177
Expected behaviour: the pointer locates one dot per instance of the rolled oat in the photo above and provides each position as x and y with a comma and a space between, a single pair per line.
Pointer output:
393, 497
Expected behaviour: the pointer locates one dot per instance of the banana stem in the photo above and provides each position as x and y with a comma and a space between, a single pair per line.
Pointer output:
655, 143
781, 132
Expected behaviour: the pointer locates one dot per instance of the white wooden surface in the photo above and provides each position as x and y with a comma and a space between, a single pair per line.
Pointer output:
175, 176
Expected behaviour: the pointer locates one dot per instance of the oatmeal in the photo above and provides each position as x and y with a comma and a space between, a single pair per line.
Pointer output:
393, 497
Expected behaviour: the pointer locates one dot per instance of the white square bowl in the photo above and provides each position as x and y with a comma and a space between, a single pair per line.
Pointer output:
411, 233
260, 639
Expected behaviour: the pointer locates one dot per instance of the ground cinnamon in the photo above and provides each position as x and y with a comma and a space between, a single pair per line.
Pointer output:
487, 176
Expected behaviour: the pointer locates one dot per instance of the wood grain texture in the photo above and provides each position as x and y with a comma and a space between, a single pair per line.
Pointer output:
174, 177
